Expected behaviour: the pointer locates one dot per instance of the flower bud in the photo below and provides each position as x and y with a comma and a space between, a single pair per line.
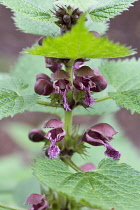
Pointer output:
43, 87
42, 76
53, 64
100, 82
77, 12
60, 12
66, 18
36, 135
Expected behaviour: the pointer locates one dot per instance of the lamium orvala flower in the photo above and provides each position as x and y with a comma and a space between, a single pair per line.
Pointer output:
37, 202
54, 135
100, 135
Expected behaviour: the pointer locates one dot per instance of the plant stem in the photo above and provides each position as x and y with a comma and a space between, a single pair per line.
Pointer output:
69, 162
68, 122
102, 99
44, 103
68, 114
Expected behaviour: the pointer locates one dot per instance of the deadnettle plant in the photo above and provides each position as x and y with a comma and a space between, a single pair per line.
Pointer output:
69, 86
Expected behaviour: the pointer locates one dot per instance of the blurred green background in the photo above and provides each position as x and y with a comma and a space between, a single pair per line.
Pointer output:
17, 152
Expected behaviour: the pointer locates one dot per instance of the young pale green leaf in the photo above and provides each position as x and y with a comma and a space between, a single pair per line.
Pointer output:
79, 43
109, 9
34, 27
113, 184
124, 76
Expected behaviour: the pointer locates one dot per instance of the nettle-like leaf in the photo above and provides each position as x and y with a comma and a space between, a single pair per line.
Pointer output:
112, 185
12, 103
33, 16
109, 9
128, 99
27, 9
79, 43
33, 27
124, 76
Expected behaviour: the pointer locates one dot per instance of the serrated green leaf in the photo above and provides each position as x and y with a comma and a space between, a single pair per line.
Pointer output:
124, 76
11, 103
79, 43
27, 9
32, 16
127, 99
109, 9
111, 185
33, 27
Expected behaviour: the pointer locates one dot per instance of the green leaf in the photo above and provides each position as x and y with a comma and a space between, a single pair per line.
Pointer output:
109, 9
27, 9
79, 43
33, 27
33, 16
128, 99
12, 103
124, 76
113, 184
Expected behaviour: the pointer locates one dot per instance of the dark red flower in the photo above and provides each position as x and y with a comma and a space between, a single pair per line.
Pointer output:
100, 135
38, 202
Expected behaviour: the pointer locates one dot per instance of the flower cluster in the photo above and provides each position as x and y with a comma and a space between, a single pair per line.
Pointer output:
67, 17
84, 79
